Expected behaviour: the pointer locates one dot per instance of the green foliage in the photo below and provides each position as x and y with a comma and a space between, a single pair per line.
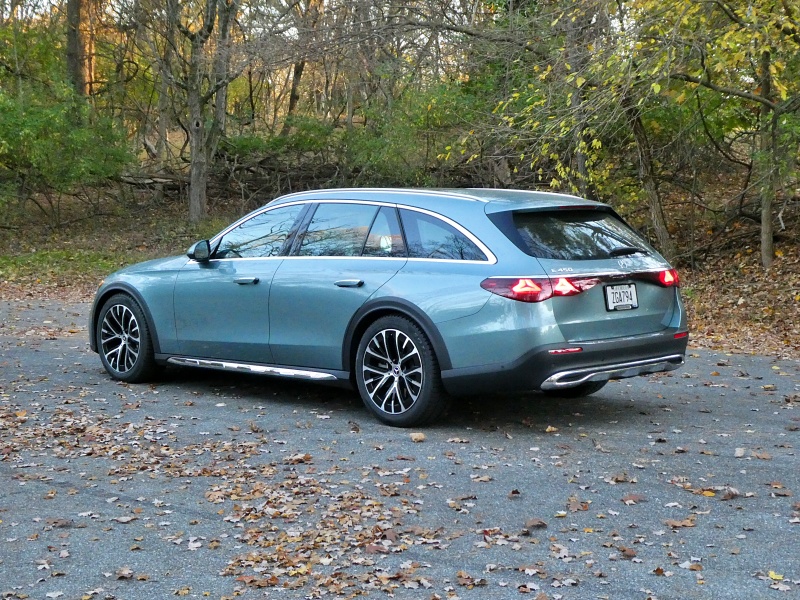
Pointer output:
58, 264
309, 134
56, 144
249, 146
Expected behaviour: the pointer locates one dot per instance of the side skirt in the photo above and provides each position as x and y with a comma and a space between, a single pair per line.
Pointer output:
260, 369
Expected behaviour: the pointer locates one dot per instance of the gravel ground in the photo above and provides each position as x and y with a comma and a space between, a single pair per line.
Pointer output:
212, 485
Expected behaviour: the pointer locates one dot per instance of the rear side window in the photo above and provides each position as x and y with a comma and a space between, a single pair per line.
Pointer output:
430, 237
338, 230
576, 235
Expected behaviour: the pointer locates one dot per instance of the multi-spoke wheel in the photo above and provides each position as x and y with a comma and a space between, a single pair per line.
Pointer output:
397, 373
123, 340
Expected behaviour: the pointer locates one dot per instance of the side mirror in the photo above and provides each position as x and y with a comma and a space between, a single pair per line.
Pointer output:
199, 251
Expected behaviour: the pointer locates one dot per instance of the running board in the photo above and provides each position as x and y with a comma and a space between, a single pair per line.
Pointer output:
568, 379
225, 365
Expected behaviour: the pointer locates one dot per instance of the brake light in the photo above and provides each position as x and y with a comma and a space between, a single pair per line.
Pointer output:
526, 286
523, 289
564, 287
537, 289
669, 278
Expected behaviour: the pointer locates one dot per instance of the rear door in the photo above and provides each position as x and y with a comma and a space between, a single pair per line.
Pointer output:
348, 251
616, 268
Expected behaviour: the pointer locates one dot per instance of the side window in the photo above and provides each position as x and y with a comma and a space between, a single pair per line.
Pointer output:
337, 230
385, 237
429, 237
263, 235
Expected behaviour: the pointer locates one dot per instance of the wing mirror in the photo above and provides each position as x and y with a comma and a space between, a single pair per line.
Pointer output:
199, 251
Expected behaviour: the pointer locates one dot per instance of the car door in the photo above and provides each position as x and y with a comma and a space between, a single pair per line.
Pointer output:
222, 305
347, 252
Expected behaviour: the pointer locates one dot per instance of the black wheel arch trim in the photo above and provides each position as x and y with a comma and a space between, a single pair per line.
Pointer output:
391, 305
121, 288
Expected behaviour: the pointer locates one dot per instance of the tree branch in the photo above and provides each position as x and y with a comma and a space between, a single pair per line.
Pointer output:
724, 90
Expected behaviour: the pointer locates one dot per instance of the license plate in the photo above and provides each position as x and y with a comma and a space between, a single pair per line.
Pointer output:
621, 297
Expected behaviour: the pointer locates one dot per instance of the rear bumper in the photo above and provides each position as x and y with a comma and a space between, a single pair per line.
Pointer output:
597, 361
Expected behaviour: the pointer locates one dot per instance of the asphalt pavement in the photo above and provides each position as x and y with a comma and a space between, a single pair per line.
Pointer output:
204, 484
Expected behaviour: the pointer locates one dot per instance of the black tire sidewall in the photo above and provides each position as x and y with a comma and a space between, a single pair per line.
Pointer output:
145, 363
431, 402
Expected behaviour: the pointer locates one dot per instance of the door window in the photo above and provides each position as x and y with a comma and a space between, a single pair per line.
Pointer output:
338, 230
385, 236
264, 234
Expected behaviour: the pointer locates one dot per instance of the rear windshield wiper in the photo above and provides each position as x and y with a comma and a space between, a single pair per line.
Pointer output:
626, 250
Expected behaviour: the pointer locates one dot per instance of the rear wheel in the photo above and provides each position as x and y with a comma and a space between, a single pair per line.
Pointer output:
579, 391
397, 373
124, 341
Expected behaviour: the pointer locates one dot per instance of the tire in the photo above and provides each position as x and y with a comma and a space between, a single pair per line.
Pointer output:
579, 391
124, 342
397, 374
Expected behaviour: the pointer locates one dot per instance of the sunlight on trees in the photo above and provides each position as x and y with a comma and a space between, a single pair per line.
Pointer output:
640, 103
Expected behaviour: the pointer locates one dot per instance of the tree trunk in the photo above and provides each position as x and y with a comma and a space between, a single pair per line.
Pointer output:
767, 160
76, 63
198, 140
164, 114
294, 94
198, 162
647, 175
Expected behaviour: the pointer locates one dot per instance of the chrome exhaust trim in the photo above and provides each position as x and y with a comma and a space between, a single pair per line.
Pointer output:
225, 365
568, 379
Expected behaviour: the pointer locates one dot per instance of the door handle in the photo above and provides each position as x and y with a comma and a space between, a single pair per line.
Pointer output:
350, 282
246, 280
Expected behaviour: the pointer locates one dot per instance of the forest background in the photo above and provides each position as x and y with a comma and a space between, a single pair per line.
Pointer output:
130, 128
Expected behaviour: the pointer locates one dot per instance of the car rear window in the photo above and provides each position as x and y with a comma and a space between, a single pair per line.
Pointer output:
575, 235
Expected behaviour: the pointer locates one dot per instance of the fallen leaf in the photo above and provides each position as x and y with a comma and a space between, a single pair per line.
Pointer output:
535, 524
124, 573
418, 437
124, 519
630, 499
775, 577
688, 522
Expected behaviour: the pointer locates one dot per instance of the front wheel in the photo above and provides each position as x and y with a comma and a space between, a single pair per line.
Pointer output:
397, 373
123, 340
579, 391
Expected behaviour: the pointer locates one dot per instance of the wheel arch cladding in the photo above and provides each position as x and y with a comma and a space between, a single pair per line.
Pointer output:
122, 288
372, 311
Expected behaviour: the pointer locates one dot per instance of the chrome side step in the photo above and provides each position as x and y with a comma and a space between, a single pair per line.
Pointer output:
568, 379
226, 365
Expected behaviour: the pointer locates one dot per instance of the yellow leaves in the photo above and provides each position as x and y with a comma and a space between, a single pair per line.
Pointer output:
775, 577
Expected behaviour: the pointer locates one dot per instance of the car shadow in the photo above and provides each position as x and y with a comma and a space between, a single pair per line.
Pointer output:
492, 412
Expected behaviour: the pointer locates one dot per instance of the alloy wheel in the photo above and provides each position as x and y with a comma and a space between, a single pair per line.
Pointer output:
392, 371
120, 338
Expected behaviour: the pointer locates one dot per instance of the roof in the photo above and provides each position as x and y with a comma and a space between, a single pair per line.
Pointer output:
495, 200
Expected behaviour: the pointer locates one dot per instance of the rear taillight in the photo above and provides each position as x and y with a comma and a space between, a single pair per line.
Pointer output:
524, 289
537, 289
666, 278
669, 278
